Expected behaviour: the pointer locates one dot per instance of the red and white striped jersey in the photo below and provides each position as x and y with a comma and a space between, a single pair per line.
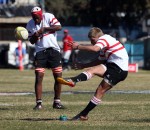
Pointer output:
113, 51
48, 39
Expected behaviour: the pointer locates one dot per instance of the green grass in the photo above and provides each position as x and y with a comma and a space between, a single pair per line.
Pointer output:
117, 111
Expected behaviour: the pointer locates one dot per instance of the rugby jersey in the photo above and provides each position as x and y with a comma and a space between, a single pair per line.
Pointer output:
113, 51
48, 39
65, 40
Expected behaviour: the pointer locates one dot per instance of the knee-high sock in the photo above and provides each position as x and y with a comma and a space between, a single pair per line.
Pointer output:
92, 104
82, 77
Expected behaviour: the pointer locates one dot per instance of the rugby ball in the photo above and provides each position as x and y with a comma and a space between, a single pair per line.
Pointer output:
21, 33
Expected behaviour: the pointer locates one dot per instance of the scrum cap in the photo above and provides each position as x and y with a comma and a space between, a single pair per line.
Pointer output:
36, 11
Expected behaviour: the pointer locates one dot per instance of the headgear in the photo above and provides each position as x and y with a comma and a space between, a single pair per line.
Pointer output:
37, 11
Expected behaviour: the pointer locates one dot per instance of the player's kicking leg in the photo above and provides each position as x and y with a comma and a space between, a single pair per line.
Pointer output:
100, 91
73, 80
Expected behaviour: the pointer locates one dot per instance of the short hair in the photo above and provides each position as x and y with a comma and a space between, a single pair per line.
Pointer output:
66, 31
94, 32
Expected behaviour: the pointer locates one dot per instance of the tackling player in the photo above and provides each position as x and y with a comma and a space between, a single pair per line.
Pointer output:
113, 71
42, 33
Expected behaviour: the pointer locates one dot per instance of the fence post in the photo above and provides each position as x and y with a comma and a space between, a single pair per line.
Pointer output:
20, 55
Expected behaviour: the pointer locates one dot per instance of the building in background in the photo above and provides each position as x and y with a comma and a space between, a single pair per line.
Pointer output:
14, 13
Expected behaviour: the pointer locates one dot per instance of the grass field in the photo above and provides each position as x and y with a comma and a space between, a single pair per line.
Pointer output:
125, 107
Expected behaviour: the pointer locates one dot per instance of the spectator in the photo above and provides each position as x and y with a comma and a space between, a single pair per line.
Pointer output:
67, 50
17, 56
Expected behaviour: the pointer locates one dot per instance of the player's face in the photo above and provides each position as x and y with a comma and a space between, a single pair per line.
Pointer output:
65, 33
36, 18
93, 40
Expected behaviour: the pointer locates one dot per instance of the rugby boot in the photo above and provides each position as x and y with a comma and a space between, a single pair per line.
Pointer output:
38, 107
58, 105
80, 118
66, 81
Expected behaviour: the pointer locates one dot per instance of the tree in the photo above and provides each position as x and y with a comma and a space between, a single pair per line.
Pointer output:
104, 13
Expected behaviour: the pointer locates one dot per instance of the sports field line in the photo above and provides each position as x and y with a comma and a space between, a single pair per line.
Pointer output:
110, 103
6, 104
79, 92
85, 103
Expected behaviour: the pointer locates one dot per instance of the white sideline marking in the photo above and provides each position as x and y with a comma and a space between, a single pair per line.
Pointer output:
6, 104
15, 94
131, 91
80, 92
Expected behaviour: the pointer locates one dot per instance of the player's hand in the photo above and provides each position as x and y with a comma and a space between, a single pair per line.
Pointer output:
36, 34
41, 31
34, 38
73, 44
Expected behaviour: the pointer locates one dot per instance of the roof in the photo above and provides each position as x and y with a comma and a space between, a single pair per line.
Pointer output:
15, 20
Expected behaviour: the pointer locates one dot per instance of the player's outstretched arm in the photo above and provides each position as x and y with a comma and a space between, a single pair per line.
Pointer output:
80, 65
75, 45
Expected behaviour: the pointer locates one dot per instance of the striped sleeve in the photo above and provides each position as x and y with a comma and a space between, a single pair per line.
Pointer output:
54, 20
102, 43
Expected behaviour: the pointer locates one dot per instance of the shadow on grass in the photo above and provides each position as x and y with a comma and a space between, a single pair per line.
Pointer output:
43, 119
39, 119
32, 119
5, 109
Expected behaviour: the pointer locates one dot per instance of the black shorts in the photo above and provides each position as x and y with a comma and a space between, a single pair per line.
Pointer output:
48, 58
114, 74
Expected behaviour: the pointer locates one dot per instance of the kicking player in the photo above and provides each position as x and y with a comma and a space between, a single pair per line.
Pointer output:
42, 33
113, 71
